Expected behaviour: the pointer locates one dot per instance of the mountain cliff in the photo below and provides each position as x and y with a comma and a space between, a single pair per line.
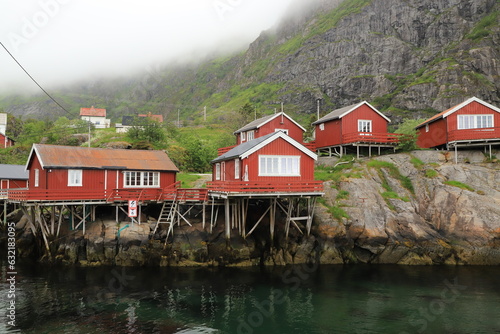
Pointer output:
409, 58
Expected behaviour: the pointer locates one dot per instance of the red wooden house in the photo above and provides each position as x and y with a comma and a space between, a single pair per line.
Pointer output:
356, 125
268, 164
471, 123
65, 173
5, 141
269, 124
12, 177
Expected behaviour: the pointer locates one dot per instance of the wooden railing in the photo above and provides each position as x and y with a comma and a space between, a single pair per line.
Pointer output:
311, 146
474, 134
371, 137
192, 195
222, 150
266, 187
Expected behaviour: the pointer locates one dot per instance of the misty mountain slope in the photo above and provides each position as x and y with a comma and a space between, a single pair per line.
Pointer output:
402, 56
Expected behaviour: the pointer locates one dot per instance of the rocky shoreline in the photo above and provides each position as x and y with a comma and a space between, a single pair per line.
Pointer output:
417, 208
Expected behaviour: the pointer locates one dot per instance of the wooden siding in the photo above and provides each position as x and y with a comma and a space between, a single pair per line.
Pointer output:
280, 147
436, 136
331, 135
294, 131
350, 121
13, 184
5, 141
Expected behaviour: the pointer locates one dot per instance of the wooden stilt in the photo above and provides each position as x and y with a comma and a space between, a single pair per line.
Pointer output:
203, 214
258, 221
272, 217
357, 151
227, 218
370, 151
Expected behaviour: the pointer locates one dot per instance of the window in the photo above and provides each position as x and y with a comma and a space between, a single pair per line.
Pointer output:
141, 179
37, 177
243, 135
250, 135
237, 169
74, 178
322, 126
364, 125
270, 165
217, 172
475, 121
426, 127
282, 130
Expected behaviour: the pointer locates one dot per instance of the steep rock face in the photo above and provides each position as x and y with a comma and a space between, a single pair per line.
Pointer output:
438, 223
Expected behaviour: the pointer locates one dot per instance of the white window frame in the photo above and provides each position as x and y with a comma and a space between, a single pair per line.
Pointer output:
217, 171
362, 123
474, 121
243, 136
37, 177
141, 179
250, 135
321, 126
75, 177
282, 130
237, 169
426, 127
279, 165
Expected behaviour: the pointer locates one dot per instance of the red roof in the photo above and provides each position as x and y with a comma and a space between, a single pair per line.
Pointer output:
95, 112
64, 157
158, 118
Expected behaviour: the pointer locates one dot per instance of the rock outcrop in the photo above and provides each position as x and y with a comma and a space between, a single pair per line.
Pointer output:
418, 208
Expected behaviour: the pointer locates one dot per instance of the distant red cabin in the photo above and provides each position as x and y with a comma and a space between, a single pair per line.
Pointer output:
471, 123
12, 177
68, 173
358, 124
269, 124
5, 141
271, 163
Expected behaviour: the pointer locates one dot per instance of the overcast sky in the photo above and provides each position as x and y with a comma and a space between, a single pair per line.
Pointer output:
60, 41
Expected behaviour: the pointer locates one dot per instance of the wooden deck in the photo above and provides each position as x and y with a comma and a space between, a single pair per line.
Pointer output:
250, 189
486, 134
371, 138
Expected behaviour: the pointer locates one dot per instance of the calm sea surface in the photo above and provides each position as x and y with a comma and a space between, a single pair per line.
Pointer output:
326, 299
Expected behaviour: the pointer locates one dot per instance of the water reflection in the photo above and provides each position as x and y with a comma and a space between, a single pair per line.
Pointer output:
328, 299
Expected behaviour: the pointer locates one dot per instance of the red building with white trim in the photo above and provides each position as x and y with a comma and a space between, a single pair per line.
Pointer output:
470, 123
5, 141
66, 173
355, 125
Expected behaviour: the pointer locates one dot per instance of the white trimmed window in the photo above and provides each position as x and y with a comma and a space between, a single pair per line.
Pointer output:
426, 127
475, 121
243, 136
282, 130
75, 178
141, 179
364, 125
281, 165
250, 135
217, 172
37, 177
322, 126
237, 169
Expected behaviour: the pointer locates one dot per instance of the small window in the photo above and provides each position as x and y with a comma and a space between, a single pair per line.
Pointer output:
141, 179
217, 172
364, 125
282, 130
237, 169
322, 126
74, 178
243, 136
426, 127
37, 177
250, 135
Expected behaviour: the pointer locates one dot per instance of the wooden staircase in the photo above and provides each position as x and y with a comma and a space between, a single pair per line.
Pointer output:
167, 215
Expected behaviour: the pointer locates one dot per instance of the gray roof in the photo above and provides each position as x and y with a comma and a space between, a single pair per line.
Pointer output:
335, 114
255, 124
242, 148
13, 172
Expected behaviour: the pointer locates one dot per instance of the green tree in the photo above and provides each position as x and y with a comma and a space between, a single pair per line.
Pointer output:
14, 126
408, 141
146, 129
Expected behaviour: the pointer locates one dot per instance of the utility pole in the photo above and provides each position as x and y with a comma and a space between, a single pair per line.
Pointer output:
89, 133
318, 107
255, 112
205, 113
178, 118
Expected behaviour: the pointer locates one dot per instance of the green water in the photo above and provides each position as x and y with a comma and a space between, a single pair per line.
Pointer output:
328, 299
